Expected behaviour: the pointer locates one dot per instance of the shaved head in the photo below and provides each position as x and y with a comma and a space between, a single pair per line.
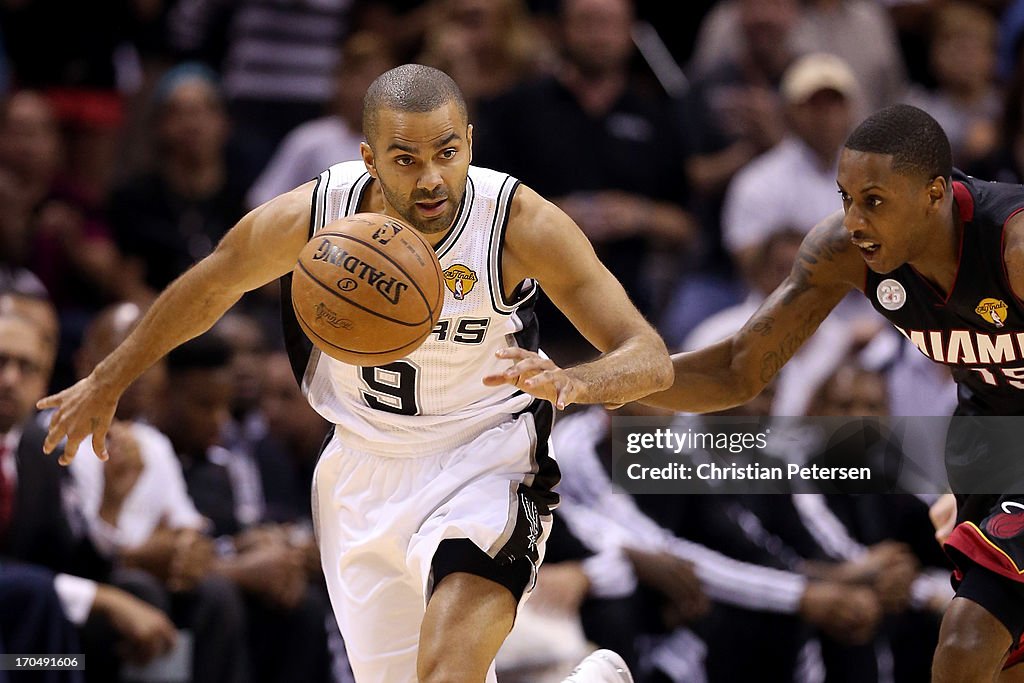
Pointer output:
412, 88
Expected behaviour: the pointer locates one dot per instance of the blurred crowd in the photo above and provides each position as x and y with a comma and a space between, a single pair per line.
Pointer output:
694, 143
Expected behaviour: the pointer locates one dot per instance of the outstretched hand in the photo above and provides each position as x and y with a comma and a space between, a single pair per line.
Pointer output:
943, 516
537, 376
84, 408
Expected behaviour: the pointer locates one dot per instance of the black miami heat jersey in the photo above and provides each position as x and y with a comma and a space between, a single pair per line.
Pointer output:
978, 328
433, 399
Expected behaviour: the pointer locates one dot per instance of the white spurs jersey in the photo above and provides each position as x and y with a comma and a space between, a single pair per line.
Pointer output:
433, 399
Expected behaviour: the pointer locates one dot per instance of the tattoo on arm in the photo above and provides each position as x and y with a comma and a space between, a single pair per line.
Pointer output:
820, 246
762, 325
772, 361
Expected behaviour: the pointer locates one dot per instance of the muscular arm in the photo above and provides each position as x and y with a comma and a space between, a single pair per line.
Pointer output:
1013, 253
736, 369
544, 244
262, 246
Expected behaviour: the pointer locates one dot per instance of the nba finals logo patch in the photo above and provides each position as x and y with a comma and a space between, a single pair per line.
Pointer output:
459, 280
891, 294
992, 310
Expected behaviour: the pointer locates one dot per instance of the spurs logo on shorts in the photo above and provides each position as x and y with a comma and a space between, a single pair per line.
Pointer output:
533, 519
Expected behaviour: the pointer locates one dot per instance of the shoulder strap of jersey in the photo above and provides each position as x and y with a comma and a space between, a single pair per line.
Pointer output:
318, 203
502, 210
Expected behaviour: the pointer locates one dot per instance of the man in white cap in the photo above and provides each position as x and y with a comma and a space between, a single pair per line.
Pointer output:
793, 184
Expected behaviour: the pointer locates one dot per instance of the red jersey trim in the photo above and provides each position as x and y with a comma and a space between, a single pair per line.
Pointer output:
968, 539
964, 201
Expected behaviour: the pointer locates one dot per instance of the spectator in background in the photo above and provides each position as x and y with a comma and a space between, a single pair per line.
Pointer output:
791, 186
910, 632
36, 516
611, 156
840, 27
277, 60
965, 98
264, 476
75, 54
719, 38
170, 217
1005, 162
32, 619
23, 294
248, 346
403, 21
295, 435
286, 604
794, 183
753, 589
913, 22
50, 226
487, 46
65, 240
140, 516
846, 28
1011, 33
315, 145
731, 113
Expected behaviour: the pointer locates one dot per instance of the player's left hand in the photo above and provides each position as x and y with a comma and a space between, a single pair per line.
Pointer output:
537, 376
943, 516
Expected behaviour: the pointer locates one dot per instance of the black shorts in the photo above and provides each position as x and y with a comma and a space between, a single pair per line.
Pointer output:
985, 469
1001, 597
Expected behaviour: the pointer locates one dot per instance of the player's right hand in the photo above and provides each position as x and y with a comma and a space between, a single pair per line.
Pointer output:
86, 407
537, 376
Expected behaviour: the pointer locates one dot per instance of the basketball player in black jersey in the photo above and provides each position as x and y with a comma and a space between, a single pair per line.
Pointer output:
941, 255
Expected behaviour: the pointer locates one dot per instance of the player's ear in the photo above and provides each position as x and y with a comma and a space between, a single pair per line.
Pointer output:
937, 190
469, 140
368, 160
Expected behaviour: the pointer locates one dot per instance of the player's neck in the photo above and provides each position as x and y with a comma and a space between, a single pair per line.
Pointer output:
940, 262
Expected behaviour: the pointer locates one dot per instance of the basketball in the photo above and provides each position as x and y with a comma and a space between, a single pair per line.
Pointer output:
367, 289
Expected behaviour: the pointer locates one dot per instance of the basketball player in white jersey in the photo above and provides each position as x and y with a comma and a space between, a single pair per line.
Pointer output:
433, 495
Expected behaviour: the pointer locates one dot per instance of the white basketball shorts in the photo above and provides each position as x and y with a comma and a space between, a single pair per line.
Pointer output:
380, 518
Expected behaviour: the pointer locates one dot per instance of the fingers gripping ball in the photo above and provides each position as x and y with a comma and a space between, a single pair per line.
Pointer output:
367, 289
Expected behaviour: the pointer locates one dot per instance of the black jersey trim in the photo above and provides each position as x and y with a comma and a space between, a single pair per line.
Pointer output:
296, 343
528, 337
534, 496
356, 193
499, 228
318, 218
545, 474
312, 203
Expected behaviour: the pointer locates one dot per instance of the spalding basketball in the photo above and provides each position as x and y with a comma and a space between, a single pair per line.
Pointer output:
367, 289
